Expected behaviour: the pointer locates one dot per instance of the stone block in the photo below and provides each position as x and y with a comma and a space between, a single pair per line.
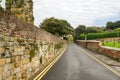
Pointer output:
16, 65
8, 60
1, 70
2, 49
14, 77
11, 39
16, 70
2, 62
7, 67
0, 77
1, 44
9, 78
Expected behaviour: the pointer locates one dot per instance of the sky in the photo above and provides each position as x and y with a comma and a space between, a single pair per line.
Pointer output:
84, 12
77, 12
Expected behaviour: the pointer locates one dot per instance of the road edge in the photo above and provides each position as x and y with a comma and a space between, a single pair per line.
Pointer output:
45, 70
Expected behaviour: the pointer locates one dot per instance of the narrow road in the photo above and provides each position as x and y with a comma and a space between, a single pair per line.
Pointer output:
76, 65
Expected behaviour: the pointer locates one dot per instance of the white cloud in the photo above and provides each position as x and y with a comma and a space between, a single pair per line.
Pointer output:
76, 11
3, 3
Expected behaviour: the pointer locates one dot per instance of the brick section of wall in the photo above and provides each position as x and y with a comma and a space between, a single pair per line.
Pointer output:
97, 47
24, 48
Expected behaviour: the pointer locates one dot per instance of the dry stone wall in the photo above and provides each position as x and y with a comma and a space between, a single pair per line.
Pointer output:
24, 48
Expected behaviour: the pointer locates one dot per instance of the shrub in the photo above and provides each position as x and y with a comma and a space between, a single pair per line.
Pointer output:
91, 36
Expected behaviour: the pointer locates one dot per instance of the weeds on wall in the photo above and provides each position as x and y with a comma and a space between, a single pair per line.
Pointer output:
2, 39
33, 51
32, 54
20, 41
49, 47
58, 46
40, 60
41, 44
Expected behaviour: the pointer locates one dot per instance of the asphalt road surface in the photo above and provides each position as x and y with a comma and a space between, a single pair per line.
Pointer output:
76, 65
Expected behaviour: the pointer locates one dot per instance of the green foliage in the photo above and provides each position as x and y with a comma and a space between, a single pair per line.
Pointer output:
115, 44
113, 25
58, 46
2, 39
49, 47
40, 60
20, 40
41, 44
32, 54
80, 29
117, 29
56, 26
33, 50
91, 36
36, 48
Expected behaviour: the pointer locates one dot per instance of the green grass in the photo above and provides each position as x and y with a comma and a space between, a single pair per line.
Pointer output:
115, 44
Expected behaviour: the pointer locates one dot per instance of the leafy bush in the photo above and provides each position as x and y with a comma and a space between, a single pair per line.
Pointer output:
58, 46
91, 36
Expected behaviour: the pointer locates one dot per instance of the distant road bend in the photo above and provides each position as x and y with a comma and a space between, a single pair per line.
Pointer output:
77, 65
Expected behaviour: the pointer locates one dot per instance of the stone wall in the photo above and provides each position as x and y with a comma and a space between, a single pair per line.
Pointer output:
111, 52
97, 47
24, 48
21, 8
82, 43
90, 44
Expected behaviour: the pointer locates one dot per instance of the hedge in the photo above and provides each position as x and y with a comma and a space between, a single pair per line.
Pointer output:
91, 36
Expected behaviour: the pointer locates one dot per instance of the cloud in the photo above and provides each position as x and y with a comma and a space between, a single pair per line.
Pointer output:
3, 3
76, 11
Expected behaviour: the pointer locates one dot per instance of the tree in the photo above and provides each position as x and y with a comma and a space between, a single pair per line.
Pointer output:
110, 25
56, 26
113, 25
117, 24
80, 29
94, 29
91, 30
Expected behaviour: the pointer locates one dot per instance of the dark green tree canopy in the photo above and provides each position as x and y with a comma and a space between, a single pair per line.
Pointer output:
80, 29
56, 26
113, 25
110, 25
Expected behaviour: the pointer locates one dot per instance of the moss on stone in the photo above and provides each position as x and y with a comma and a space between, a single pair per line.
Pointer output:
58, 46
32, 54
40, 60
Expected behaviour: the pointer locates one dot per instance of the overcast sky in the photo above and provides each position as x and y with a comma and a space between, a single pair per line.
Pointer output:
87, 12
